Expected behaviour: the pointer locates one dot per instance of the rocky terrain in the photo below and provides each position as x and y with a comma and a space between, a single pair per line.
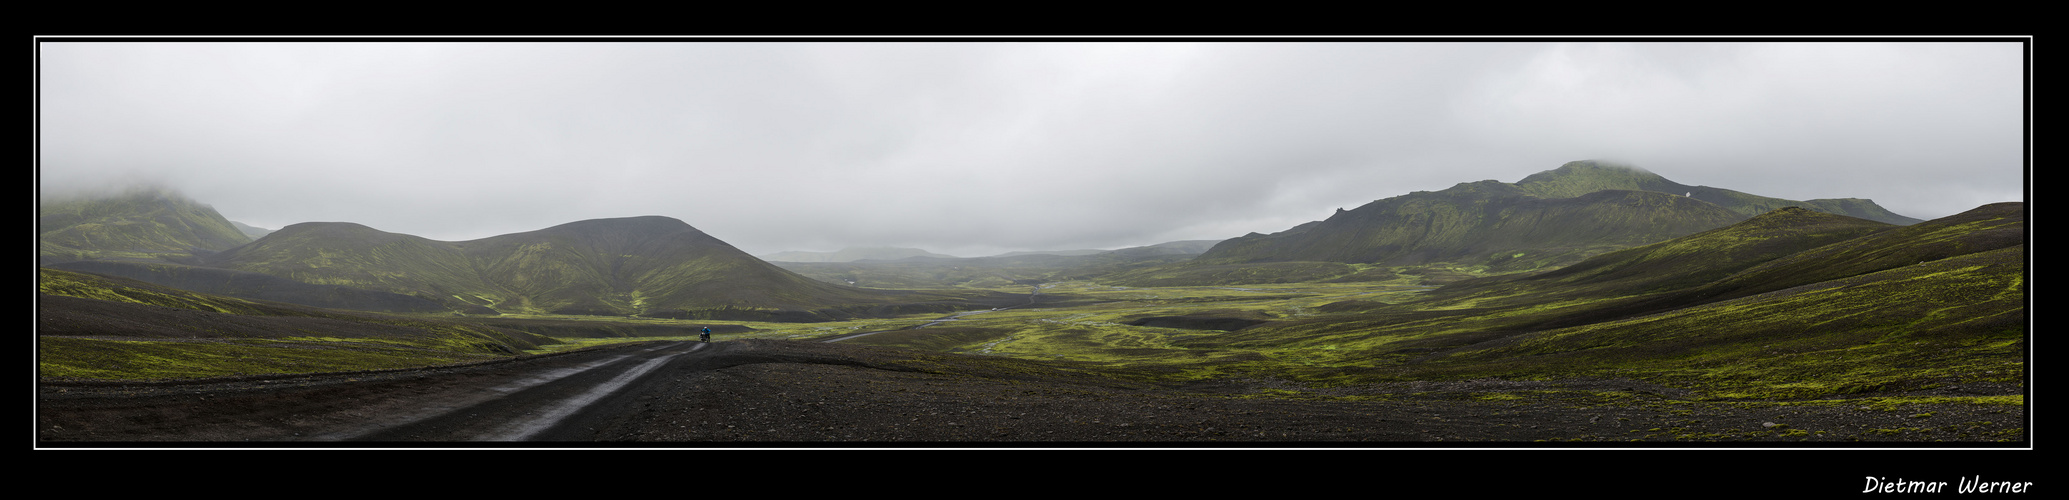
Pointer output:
772, 393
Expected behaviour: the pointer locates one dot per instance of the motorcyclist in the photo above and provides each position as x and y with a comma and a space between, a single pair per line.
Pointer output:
706, 335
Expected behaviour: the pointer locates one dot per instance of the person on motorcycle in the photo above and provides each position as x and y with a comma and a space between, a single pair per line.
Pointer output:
706, 335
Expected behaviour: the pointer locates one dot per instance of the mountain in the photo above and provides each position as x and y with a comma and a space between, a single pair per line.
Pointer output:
1789, 304
1484, 223
1710, 255
1662, 276
1582, 177
147, 224
649, 266
1788, 248
1832, 303
853, 254
1548, 219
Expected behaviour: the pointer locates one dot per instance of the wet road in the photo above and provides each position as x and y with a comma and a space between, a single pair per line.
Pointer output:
531, 408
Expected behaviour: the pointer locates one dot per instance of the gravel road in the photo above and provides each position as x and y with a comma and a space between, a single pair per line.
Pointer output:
773, 393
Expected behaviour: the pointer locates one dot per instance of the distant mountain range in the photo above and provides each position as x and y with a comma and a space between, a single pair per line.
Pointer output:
860, 254
648, 266
853, 254
251, 232
662, 267
998, 270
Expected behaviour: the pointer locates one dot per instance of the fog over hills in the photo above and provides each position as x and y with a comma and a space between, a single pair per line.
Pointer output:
148, 223
651, 266
978, 148
661, 266
852, 254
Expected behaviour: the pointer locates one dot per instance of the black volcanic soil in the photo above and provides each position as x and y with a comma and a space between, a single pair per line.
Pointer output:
807, 394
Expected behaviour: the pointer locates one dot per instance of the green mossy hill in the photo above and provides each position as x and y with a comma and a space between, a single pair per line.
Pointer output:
1587, 176
1990, 227
1547, 220
1582, 177
1787, 248
650, 266
1791, 304
1485, 223
256, 286
101, 327
140, 224
1680, 263
1957, 320
86, 304
82, 285
353, 255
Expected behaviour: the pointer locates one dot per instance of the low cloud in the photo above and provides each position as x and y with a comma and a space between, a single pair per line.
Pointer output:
1003, 145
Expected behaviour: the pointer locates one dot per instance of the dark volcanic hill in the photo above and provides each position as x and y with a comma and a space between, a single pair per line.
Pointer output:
1548, 219
650, 266
144, 224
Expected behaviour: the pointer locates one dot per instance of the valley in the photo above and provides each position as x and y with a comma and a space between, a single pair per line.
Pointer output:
1487, 313
1067, 369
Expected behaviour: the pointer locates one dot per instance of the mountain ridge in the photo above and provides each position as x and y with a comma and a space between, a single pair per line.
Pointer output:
647, 265
1585, 176
1547, 219
142, 223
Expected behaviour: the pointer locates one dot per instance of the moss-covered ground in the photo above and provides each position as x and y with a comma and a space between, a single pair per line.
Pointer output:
1876, 341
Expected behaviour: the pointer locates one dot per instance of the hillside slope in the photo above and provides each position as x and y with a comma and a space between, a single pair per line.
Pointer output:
651, 266
92, 326
146, 224
1670, 266
1829, 303
1549, 219
1582, 177
256, 286
1484, 223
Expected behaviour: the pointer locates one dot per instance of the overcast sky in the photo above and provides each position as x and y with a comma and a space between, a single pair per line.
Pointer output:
973, 148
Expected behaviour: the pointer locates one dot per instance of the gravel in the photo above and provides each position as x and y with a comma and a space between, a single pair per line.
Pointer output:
791, 394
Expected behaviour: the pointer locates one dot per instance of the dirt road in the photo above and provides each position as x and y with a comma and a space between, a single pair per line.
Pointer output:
515, 400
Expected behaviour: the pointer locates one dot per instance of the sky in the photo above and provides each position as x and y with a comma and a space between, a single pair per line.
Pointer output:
974, 147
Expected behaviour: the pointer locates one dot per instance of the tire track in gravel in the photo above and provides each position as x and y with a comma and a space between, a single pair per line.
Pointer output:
523, 408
